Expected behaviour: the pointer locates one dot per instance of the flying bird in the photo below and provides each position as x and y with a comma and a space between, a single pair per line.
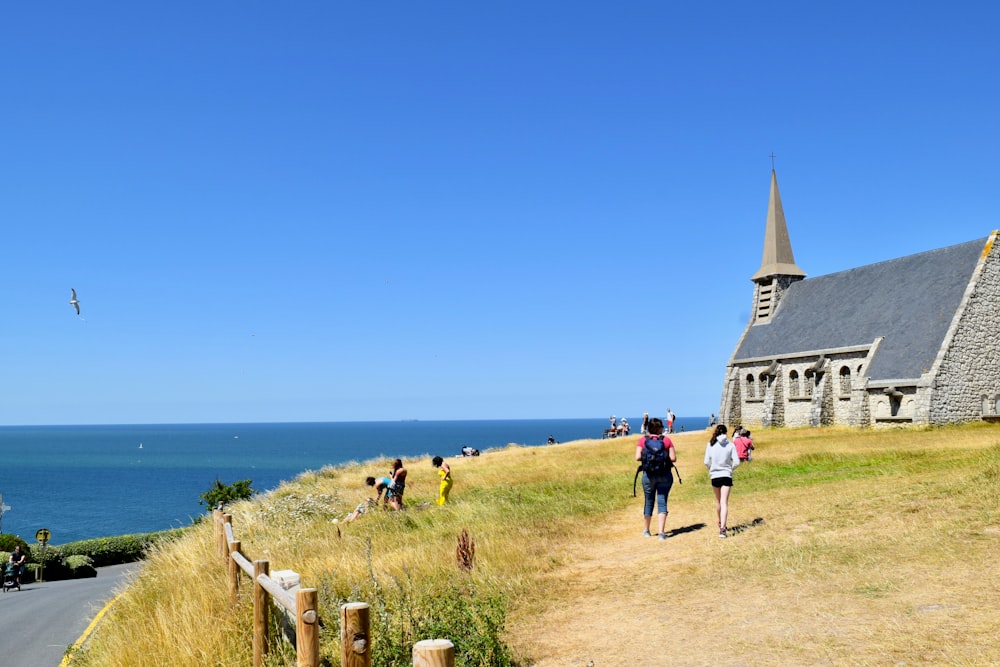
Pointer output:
73, 302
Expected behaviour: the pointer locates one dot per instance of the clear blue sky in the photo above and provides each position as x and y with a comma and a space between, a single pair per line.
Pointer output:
327, 211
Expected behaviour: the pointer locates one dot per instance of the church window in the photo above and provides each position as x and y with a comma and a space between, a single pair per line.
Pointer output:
845, 380
808, 385
764, 384
750, 387
793, 384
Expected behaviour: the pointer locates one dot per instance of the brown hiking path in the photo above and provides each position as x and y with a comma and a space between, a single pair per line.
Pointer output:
620, 596
624, 599
867, 574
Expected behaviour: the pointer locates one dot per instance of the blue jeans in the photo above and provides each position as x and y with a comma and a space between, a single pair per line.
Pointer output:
656, 490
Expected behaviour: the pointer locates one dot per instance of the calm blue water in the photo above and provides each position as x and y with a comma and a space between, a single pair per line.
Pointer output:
90, 481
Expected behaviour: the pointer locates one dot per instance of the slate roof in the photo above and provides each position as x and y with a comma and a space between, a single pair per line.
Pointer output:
910, 301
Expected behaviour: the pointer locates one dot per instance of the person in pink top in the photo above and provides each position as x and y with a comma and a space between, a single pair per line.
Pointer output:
655, 452
743, 443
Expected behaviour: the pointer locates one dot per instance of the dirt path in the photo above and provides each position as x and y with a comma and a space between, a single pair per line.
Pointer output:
614, 586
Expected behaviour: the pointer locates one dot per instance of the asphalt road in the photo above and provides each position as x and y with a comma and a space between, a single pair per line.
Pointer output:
40, 621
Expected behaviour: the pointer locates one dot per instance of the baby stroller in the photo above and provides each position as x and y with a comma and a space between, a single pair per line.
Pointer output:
10, 579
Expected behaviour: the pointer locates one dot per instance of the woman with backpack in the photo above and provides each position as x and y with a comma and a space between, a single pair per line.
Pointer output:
721, 459
656, 456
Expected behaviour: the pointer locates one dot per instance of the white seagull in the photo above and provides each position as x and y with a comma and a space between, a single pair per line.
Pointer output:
73, 302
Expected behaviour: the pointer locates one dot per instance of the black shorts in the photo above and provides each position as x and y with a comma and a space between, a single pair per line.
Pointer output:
719, 482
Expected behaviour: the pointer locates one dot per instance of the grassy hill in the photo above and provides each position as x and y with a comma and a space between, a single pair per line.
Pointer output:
851, 548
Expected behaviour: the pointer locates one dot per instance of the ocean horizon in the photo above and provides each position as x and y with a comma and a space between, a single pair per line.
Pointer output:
82, 482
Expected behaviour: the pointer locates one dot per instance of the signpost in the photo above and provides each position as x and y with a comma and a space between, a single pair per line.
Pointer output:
42, 535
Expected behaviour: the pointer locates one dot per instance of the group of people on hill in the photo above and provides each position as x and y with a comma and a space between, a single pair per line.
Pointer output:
657, 457
670, 418
390, 489
618, 428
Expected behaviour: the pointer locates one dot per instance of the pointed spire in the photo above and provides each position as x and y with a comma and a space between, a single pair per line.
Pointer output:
778, 259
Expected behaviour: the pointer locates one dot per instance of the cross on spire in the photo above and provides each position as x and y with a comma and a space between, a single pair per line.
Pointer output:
772, 160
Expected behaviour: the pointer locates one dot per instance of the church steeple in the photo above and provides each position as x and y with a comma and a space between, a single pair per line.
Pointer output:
777, 269
778, 259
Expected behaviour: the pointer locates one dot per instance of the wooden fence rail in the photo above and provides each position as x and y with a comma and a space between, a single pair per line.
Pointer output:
303, 607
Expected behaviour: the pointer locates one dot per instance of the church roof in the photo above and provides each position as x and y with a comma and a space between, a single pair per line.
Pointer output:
910, 301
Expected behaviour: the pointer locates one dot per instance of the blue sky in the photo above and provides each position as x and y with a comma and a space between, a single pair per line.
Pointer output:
331, 211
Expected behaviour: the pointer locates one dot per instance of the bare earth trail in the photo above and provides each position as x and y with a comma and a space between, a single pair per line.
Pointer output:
625, 599
857, 578
617, 605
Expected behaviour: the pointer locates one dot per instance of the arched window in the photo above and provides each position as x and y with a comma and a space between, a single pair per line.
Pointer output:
793, 384
807, 385
750, 386
764, 383
845, 380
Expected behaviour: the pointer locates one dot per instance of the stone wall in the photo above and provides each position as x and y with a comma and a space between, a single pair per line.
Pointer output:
970, 366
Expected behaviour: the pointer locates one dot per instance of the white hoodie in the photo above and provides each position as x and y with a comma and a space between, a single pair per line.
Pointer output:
721, 458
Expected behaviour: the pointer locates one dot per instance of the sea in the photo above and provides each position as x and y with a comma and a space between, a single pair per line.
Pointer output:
82, 482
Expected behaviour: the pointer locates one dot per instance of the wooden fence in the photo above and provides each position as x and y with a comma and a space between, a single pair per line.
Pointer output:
354, 627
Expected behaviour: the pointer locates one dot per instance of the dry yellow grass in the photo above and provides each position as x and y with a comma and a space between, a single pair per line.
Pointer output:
854, 548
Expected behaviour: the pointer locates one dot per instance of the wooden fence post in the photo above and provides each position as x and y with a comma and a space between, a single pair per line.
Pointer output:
234, 572
261, 613
306, 628
355, 645
434, 653
217, 529
227, 519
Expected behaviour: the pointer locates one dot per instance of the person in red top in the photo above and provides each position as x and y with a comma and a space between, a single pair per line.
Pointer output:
656, 485
743, 443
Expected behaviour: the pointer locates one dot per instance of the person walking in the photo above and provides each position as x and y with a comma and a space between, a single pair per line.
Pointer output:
444, 471
743, 443
657, 455
670, 421
721, 460
19, 557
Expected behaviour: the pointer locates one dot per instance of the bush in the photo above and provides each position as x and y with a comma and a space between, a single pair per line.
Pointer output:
80, 567
78, 560
226, 493
8, 542
117, 549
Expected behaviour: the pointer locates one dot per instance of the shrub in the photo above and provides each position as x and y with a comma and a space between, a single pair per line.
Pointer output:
8, 542
226, 493
78, 560
80, 567
117, 549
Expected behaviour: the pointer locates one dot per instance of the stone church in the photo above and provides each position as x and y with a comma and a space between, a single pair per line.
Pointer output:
914, 340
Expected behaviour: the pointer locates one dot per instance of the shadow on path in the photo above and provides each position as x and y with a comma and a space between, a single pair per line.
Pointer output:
687, 529
735, 530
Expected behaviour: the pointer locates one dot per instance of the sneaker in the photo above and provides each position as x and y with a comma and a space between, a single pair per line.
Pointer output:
722, 533
645, 533
663, 537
